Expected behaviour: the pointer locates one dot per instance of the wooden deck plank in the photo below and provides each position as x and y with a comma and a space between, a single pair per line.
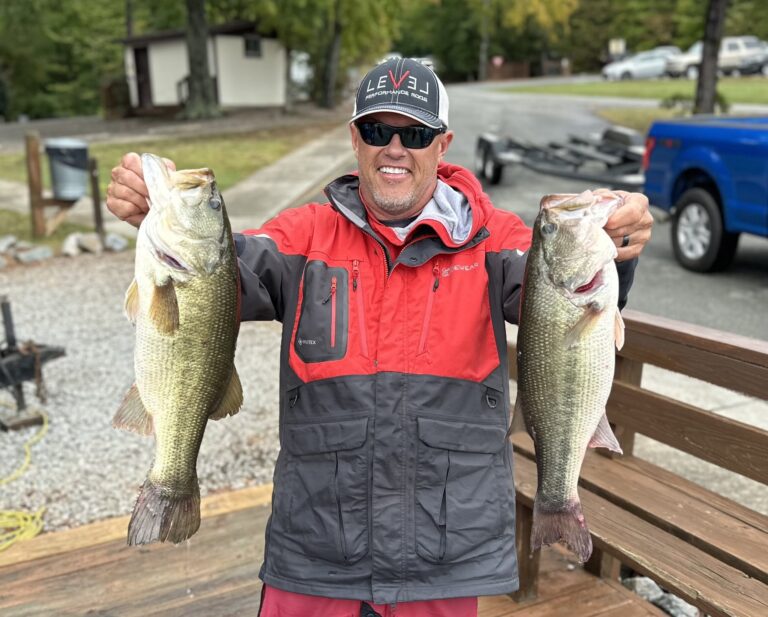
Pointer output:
216, 573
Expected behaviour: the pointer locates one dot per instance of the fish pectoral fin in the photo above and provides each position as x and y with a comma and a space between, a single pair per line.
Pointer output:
132, 415
618, 330
131, 306
164, 309
582, 328
232, 400
604, 437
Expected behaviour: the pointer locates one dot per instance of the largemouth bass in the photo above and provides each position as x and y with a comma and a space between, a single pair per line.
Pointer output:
184, 304
570, 326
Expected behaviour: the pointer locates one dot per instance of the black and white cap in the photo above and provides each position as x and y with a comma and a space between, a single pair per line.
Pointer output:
403, 86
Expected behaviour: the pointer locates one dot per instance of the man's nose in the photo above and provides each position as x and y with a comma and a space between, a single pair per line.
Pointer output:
395, 147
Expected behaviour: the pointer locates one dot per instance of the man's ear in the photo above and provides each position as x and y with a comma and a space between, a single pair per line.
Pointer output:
355, 137
445, 142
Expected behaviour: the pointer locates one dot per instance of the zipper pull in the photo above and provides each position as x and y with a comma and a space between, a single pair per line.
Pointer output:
355, 273
436, 274
333, 290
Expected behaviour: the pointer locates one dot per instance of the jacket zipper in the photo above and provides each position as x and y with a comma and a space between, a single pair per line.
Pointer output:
428, 312
332, 298
357, 282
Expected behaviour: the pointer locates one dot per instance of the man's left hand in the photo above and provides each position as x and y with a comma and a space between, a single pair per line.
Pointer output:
630, 225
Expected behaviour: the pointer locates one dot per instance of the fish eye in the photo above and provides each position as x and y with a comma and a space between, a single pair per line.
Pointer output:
215, 203
549, 228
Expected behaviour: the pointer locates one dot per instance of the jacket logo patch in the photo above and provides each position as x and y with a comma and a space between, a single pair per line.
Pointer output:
306, 341
459, 268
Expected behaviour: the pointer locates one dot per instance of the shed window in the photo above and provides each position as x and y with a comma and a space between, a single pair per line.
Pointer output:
252, 46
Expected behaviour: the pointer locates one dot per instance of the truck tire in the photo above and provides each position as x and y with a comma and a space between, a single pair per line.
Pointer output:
699, 239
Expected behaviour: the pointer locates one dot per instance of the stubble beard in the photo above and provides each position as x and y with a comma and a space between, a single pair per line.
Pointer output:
394, 205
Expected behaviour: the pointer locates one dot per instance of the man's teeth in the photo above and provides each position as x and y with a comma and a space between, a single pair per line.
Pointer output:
393, 170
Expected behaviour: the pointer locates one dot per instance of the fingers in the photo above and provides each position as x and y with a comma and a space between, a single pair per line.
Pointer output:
630, 225
127, 194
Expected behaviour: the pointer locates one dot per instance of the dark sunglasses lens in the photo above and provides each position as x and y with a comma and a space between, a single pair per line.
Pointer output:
413, 137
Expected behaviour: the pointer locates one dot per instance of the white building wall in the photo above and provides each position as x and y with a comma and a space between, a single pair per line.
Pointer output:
130, 76
169, 64
250, 81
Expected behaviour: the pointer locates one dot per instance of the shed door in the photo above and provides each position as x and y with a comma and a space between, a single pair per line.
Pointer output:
142, 77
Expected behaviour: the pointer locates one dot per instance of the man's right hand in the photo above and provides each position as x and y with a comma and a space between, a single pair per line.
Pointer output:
127, 195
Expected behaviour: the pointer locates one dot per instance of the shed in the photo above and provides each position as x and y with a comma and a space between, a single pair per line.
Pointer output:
247, 67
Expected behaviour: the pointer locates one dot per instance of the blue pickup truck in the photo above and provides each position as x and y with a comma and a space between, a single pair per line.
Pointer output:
711, 174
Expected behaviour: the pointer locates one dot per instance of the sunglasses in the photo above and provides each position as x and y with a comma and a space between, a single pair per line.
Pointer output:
412, 137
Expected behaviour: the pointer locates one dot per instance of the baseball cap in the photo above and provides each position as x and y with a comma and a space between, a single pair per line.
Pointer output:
403, 86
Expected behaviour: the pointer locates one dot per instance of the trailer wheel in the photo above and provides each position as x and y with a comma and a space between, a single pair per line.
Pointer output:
491, 168
699, 239
480, 154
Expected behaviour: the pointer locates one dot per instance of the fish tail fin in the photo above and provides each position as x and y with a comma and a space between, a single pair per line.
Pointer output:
160, 516
566, 525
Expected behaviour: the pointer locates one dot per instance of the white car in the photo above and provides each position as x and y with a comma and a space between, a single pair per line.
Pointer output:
737, 55
645, 65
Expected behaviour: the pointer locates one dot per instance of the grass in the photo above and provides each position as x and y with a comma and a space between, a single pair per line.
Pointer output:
639, 119
752, 90
232, 157
20, 225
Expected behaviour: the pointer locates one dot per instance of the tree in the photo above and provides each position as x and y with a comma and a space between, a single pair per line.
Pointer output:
201, 100
706, 86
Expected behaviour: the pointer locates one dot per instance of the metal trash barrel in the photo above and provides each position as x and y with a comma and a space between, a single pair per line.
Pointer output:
69, 167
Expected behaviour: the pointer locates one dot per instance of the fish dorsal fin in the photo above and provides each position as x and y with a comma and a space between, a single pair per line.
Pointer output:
132, 415
604, 437
582, 328
164, 309
619, 330
232, 400
518, 420
131, 306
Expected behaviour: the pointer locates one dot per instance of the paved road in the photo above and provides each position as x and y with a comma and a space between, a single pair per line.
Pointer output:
734, 301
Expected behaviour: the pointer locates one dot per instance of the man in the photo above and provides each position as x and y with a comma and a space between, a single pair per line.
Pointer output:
393, 487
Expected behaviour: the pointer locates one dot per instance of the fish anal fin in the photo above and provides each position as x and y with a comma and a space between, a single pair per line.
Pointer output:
565, 524
604, 437
232, 400
164, 309
619, 330
132, 415
583, 326
131, 306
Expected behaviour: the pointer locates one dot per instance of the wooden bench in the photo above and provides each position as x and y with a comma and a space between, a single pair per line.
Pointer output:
695, 543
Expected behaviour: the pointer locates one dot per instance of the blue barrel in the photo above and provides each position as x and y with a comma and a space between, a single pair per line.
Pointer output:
69, 167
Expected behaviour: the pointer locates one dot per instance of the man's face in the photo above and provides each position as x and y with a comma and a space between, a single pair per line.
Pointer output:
397, 182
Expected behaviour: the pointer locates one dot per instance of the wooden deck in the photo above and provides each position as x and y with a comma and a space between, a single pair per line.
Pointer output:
89, 571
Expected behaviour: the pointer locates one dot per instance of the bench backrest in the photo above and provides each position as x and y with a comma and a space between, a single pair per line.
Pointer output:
728, 360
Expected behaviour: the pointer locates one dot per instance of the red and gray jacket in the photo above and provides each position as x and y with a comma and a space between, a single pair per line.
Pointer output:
394, 480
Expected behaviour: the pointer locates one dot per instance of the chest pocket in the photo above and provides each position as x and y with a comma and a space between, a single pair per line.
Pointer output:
323, 321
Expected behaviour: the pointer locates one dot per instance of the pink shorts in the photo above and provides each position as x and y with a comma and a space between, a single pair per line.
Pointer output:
279, 603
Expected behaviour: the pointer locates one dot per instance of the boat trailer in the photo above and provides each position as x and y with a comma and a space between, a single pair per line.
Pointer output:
613, 158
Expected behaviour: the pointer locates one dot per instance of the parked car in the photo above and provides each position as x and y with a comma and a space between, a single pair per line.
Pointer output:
644, 65
738, 55
711, 174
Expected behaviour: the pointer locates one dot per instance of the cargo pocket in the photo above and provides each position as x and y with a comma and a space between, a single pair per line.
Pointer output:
460, 489
322, 331
328, 488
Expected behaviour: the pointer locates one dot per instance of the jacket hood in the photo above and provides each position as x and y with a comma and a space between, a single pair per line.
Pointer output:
456, 221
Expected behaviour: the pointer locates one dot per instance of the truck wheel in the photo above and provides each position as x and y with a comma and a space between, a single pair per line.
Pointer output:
699, 239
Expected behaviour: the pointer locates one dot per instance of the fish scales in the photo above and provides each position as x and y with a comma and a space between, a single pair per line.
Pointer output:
569, 327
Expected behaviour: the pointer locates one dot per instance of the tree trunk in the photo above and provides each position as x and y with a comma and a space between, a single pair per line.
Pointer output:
482, 61
201, 101
332, 60
288, 105
706, 87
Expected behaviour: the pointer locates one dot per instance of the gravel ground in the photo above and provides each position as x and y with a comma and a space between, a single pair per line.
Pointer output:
84, 470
